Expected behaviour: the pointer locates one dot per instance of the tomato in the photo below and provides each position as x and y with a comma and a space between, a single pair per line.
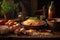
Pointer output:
6, 23
11, 23
2, 22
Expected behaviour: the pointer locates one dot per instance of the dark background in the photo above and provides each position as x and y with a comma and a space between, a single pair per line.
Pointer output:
56, 4
40, 4
27, 4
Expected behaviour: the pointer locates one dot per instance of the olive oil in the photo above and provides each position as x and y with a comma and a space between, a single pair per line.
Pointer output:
51, 10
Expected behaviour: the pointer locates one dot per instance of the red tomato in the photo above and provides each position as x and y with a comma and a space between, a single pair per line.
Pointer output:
11, 23
6, 23
2, 22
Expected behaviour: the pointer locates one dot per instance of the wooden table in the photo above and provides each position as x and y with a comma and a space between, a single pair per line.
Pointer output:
55, 35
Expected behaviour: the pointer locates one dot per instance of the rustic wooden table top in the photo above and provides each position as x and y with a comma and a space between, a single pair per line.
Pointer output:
51, 35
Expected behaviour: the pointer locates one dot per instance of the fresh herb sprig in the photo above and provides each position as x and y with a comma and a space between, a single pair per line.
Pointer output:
33, 18
7, 6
